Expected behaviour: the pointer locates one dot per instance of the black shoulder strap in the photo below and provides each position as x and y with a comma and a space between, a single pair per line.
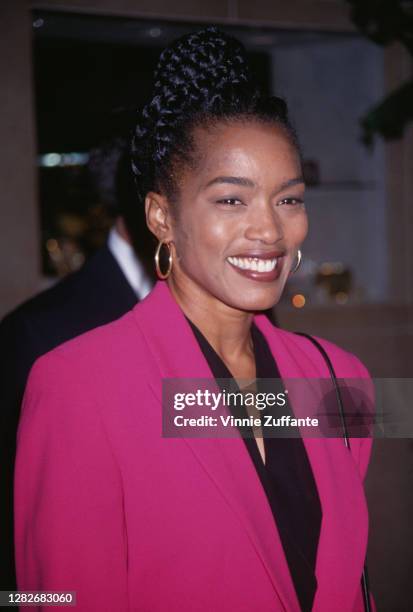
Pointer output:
364, 577
334, 379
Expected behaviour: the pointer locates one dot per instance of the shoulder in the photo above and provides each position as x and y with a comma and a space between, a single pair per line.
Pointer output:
345, 363
46, 319
93, 358
89, 384
68, 298
41, 303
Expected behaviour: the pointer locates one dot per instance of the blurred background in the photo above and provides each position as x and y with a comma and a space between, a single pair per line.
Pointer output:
73, 73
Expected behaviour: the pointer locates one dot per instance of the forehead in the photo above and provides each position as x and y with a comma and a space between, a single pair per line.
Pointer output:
259, 151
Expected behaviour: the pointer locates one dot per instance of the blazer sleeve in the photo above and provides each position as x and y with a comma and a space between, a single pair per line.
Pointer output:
69, 520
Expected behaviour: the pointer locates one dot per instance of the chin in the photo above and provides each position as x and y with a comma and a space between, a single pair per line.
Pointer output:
255, 303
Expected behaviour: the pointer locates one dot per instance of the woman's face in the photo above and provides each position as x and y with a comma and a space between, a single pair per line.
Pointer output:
240, 216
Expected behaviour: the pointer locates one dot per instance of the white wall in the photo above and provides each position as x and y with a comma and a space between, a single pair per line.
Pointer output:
19, 244
329, 86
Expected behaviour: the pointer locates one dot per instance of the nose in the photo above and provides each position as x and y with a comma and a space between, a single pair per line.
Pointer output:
264, 224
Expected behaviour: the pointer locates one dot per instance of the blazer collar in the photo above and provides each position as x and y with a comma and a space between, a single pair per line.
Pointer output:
341, 549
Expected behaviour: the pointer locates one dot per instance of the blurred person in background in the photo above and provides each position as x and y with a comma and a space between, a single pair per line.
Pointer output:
109, 284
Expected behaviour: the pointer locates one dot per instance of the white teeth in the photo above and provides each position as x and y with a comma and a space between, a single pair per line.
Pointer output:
253, 263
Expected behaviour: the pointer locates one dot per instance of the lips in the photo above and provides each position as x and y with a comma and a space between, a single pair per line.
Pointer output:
260, 254
258, 266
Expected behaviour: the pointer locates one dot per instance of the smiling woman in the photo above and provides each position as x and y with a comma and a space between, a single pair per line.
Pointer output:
240, 216
131, 520
216, 154
246, 223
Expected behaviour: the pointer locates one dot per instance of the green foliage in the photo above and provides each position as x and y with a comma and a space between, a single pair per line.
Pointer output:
385, 22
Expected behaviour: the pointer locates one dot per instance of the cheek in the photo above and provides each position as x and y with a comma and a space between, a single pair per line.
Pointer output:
201, 236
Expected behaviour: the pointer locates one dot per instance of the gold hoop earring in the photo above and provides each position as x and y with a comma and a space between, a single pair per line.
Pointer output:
297, 265
160, 274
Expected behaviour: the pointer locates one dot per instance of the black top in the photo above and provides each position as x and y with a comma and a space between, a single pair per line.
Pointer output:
286, 476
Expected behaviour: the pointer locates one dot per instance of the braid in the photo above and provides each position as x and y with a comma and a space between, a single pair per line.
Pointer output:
203, 77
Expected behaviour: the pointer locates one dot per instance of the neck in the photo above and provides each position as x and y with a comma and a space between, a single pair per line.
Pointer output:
226, 329
121, 229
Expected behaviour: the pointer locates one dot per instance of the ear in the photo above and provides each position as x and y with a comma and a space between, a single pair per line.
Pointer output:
158, 216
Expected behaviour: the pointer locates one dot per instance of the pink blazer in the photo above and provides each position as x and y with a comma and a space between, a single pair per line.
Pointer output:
133, 521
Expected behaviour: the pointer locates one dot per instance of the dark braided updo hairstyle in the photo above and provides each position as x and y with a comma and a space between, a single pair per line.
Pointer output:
201, 79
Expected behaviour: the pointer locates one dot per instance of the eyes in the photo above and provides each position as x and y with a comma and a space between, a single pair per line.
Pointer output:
230, 202
291, 201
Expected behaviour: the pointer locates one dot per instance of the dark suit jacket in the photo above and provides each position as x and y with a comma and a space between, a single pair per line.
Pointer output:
95, 295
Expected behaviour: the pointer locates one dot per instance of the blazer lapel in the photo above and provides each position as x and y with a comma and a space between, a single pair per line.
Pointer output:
226, 460
343, 537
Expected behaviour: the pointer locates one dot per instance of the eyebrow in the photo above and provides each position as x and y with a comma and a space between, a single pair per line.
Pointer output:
291, 182
246, 182
232, 180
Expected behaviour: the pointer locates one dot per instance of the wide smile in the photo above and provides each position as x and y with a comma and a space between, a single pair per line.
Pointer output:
264, 268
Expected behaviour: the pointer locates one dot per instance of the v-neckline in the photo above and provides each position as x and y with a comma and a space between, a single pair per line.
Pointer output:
209, 349
266, 368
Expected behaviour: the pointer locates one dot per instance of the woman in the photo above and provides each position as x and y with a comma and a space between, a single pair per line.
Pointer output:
131, 520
